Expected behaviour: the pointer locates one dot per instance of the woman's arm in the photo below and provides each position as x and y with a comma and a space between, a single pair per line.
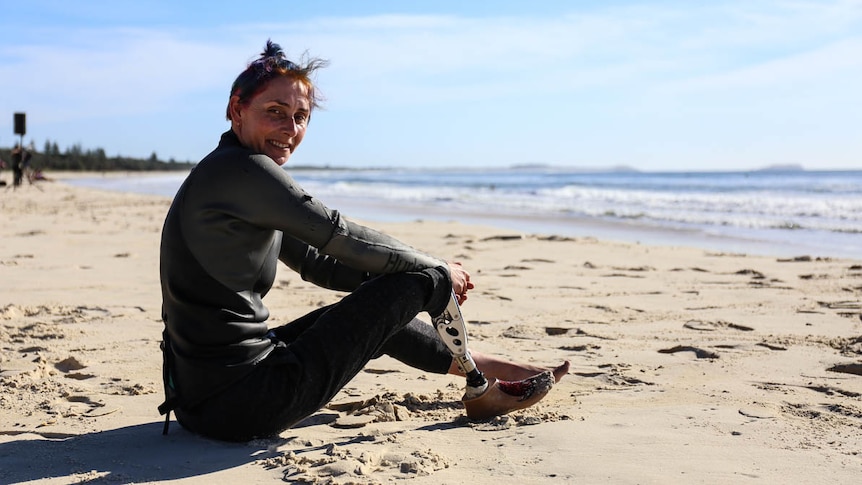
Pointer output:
272, 199
319, 269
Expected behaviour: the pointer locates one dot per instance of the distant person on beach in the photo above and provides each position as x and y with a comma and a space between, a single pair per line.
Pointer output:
229, 376
26, 156
17, 165
39, 175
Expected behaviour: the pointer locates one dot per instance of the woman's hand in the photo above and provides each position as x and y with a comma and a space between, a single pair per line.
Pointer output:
460, 280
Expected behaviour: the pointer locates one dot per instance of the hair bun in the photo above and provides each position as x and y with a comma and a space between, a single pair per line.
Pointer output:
272, 50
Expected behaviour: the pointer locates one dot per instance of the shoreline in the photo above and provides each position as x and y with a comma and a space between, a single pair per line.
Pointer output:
631, 232
688, 366
782, 244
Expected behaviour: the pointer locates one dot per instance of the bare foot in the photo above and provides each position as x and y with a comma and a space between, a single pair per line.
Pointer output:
506, 370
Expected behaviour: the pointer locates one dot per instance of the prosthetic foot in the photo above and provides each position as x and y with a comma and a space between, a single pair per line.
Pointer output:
503, 397
483, 399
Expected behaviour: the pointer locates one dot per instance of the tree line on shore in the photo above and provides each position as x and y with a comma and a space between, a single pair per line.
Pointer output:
76, 158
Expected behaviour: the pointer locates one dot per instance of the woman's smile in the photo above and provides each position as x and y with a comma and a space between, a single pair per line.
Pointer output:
274, 121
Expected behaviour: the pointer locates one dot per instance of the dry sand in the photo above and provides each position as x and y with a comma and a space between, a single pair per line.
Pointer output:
688, 366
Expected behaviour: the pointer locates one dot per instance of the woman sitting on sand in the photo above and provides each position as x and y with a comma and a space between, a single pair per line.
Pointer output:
229, 376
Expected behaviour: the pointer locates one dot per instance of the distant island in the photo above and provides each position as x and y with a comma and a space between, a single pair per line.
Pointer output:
788, 167
543, 166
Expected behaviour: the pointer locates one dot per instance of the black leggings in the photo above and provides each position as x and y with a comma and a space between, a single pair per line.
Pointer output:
319, 353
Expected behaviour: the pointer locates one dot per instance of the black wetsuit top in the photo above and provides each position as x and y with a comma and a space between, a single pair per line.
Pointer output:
236, 215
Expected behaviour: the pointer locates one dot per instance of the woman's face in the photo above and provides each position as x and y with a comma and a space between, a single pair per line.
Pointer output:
274, 120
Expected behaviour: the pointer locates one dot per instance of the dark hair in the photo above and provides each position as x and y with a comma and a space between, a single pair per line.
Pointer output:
271, 63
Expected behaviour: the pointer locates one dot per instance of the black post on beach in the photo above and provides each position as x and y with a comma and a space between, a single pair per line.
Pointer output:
20, 122
21, 126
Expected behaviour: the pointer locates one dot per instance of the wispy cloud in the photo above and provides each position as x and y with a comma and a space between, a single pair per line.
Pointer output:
109, 72
825, 64
424, 57
627, 56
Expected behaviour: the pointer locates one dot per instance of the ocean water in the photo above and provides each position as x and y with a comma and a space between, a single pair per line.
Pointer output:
782, 213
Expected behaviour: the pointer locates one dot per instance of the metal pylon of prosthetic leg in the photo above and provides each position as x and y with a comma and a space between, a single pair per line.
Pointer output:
453, 331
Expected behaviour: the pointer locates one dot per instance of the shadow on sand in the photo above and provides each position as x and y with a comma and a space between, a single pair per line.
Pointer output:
131, 454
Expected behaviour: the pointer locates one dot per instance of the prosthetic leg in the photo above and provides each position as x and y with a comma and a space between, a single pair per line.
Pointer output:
483, 398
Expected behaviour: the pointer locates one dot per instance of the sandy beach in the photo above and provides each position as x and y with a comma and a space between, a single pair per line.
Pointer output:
688, 365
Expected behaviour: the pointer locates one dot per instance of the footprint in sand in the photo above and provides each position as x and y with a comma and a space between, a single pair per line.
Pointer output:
833, 391
759, 411
581, 348
621, 275
698, 352
825, 389
707, 326
614, 375
69, 364
771, 346
855, 369
845, 308
755, 275
526, 332
560, 238
507, 237
555, 331
495, 296
635, 268
801, 259
833, 415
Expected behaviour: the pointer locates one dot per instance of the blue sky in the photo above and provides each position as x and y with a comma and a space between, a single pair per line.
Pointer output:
660, 85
